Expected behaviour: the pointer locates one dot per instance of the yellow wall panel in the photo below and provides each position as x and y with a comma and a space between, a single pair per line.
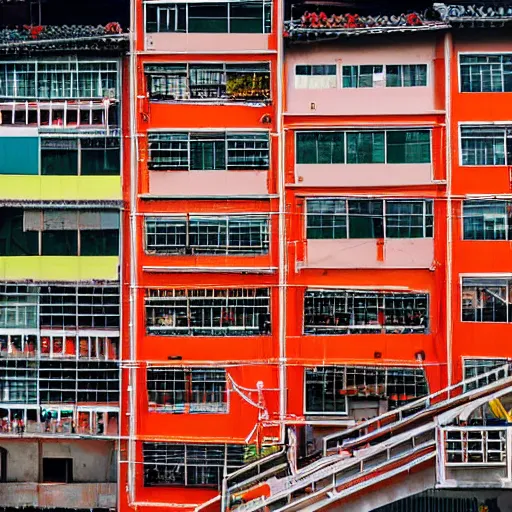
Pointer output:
86, 188
58, 268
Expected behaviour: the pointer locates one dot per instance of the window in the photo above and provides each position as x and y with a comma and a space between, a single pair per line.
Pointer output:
406, 75
208, 312
187, 390
68, 232
236, 17
203, 465
197, 82
476, 367
205, 151
59, 79
18, 306
18, 381
483, 145
100, 156
486, 299
315, 76
328, 388
364, 312
207, 235
487, 219
367, 218
364, 147
78, 381
57, 470
14, 239
486, 73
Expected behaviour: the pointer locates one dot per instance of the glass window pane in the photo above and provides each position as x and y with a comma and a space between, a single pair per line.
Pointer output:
365, 218
365, 148
408, 147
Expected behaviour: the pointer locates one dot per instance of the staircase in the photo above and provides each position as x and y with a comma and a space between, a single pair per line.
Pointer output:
358, 459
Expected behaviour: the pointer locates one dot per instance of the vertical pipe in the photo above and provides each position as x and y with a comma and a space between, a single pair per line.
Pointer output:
448, 50
133, 184
283, 270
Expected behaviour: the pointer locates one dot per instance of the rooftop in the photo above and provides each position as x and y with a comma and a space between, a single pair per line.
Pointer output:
29, 38
325, 25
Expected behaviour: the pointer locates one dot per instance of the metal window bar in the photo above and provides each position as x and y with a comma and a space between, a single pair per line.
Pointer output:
475, 446
486, 219
482, 145
358, 312
328, 388
475, 367
209, 151
187, 390
208, 312
189, 464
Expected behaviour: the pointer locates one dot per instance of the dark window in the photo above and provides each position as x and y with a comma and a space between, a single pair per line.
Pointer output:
59, 243
364, 312
365, 148
208, 312
168, 464
100, 156
408, 147
58, 470
320, 148
486, 300
476, 367
14, 240
59, 157
187, 390
102, 242
329, 388
487, 220
366, 219
486, 73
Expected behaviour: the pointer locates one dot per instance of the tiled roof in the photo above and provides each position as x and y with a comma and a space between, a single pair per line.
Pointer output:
312, 26
66, 37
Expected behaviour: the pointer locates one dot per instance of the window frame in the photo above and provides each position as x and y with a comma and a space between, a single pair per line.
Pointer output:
266, 9
501, 361
215, 136
507, 218
224, 70
385, 131
188, 405
495, 126
346, 369
479, 54
483, 277
203, 250
353, 310
385, 215
385, 85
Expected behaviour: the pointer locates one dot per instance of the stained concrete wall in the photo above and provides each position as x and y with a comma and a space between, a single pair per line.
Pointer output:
93, 461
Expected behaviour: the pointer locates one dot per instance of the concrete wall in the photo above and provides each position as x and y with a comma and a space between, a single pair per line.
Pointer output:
93, 461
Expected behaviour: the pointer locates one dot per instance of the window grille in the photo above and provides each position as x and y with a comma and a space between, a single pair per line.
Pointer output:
328, 388
208, 151
59, 79
364, 312
225, 17
476, 367
187, 390
18, 306
486, 73
483, 145
364, 147
207, 235
487, 219
18, 381
366, 218
208, 312
224, 82
189, 464
475, 446
78, 381
486, 299
315, 76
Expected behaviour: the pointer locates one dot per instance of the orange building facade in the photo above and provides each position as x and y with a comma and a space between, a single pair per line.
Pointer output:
308, 240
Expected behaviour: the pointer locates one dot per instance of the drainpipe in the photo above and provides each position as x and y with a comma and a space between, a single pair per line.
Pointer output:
448, 50
132, 389
283, 266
